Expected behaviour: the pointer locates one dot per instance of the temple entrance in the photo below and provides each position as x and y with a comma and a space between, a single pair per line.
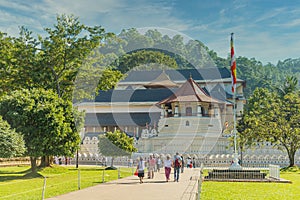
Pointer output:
188, 111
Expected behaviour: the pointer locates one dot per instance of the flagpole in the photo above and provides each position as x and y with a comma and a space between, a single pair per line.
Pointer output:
235, 165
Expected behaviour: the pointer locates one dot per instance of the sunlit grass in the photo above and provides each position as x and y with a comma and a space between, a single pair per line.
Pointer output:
250, 190
19, 183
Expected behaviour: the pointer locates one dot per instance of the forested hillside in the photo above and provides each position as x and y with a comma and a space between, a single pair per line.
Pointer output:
131, 50
131, 45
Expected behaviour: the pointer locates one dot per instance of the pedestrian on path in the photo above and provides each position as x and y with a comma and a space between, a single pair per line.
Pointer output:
182, 164
158, 163
151, 164
168, 166
141, 169
177, 166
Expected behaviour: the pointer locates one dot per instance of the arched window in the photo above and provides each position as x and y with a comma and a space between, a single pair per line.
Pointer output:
188, 111
187, 123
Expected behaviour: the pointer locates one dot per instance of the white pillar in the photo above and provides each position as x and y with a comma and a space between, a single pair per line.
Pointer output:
162, 112
216, 112
199, 111
176, 111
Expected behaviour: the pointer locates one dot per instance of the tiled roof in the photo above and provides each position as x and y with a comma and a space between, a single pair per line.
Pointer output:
139, 95
190, 91
179, 75
121, 119
161, 81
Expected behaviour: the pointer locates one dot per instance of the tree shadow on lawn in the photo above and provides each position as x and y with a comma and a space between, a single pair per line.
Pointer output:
19, 172
28, 175
87, 169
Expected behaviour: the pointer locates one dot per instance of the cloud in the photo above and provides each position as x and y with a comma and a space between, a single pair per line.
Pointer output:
259, 30
288, 24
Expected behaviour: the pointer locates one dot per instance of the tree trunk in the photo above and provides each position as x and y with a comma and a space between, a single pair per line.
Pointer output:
45, 161
241, 161
291, 155
33, 163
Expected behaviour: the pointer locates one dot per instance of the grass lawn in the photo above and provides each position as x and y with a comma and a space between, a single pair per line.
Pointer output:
257, 191
18, 183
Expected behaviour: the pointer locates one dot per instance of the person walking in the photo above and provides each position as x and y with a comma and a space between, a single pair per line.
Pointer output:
177, 165
151, 163
182, 164
168, 167
141, 169
158, 163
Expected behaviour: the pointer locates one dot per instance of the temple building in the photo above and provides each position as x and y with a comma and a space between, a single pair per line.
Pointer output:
168, 109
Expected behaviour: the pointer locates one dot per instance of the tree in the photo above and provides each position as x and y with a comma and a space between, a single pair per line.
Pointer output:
145, 58
270, 116
17, 61
116, 144
11, 142
64, 52
46, 122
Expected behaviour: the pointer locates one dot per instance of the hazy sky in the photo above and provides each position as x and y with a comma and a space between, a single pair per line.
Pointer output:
268, 30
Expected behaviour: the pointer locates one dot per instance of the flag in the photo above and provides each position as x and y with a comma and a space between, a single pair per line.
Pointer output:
232, 65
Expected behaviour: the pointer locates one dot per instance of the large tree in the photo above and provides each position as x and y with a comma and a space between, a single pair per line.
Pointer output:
116, 144
45, 121
11, 142
64, 51
274, 117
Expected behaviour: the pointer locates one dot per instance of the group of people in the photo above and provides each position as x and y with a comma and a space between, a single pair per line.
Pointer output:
154, 164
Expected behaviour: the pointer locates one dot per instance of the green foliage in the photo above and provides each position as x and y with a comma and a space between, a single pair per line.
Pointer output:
46, 121
290, 169
11, 142
274, 117
116, 144
17, 61
50, 62
143, 59
153, 50
109, 79
64, 51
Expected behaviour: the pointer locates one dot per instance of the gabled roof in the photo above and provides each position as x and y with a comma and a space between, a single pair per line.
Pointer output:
190, 91
162, 81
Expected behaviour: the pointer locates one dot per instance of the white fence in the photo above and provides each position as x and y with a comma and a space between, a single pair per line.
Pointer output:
274, 171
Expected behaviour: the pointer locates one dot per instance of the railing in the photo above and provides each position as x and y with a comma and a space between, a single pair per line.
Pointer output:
190, 115
274, 171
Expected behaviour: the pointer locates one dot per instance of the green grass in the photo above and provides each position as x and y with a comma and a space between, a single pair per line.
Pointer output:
254, 191
19, 183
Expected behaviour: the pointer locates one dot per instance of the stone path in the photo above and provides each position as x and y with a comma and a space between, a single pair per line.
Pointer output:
130, 189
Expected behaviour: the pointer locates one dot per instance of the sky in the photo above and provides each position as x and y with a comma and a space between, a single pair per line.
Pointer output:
267, 30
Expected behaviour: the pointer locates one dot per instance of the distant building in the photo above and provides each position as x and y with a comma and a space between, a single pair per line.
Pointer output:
148, 104
169, 111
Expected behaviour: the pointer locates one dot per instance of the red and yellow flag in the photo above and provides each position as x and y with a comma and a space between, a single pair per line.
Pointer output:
232, 65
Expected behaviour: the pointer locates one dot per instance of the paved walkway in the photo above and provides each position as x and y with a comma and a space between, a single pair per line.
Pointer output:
130, 189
